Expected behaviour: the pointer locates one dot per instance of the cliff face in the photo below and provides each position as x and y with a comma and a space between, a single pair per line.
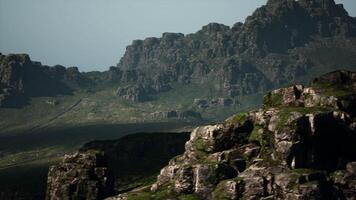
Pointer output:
21, 78
272, 48
300, 145
80, 176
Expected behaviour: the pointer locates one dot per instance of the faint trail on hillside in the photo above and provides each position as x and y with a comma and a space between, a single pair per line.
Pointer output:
45, 124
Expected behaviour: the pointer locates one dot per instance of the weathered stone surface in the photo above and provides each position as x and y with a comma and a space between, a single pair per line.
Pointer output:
268, 50
294, 150
21, 78
80, 176
133, 93
283, 152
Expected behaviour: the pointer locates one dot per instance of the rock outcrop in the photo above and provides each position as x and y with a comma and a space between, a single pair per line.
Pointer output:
299, 146
80, 176
21, 78
100, 168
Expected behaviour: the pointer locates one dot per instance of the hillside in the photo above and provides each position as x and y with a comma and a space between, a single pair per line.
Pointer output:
300, 145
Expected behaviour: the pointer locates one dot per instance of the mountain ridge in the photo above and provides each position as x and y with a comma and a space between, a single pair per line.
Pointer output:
270, 49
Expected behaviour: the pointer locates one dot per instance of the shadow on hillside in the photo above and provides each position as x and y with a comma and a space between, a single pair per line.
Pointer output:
78, 135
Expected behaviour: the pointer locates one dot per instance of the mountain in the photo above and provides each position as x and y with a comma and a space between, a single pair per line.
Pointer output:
206, 75
167, 84
282, 42
300, 145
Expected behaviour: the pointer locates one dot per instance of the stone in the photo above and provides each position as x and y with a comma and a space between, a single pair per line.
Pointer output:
294, 158
351, 168
80, 176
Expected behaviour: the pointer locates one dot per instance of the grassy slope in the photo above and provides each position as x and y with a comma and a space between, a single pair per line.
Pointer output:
35, 136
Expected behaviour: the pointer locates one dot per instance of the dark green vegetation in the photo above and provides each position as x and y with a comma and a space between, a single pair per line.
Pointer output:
25, 158
136, 158
132, 161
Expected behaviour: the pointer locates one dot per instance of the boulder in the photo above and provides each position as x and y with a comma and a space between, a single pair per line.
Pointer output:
80, 176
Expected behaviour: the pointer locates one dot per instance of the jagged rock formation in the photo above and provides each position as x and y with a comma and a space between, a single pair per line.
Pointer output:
80, 176
278, 44
21, 78
299, 146
100, 167
282, 42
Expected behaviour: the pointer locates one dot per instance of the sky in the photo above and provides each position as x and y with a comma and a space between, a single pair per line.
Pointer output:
93, 34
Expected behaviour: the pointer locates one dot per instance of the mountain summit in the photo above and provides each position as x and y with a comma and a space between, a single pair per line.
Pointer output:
275, 46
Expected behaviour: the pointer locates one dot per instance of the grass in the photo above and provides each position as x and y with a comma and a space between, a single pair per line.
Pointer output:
164, 192
26, 181
333, 90
238, 118
219, 192
24, 164
149, 180
272, 99
199, 144
255, 135
285, 112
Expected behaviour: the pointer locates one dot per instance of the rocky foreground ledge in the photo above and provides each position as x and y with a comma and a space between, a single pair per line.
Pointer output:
300, 145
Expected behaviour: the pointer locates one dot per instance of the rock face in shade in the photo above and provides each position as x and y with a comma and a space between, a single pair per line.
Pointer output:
102, 167
80, 176
280, 43
21, 78
299, 146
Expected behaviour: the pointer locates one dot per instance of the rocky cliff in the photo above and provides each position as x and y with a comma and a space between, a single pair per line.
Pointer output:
283, 42
21, 79
80, 176
300, 145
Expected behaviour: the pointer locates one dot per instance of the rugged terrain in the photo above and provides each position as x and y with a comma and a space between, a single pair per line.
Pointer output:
207, 75
131, 162
282, 42
300, 145
160, 84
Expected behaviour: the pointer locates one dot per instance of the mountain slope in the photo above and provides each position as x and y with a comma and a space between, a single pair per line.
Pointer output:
21, 79
276, 45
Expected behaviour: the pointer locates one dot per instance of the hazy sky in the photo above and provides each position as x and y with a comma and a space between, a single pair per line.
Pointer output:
93, 34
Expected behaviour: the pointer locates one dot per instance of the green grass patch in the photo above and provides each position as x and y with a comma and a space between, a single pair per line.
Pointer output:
220, 193
285, 113
199, 144
272, 99
255, 135
238, 118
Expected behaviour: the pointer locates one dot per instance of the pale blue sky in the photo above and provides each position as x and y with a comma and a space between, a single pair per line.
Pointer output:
93, 34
